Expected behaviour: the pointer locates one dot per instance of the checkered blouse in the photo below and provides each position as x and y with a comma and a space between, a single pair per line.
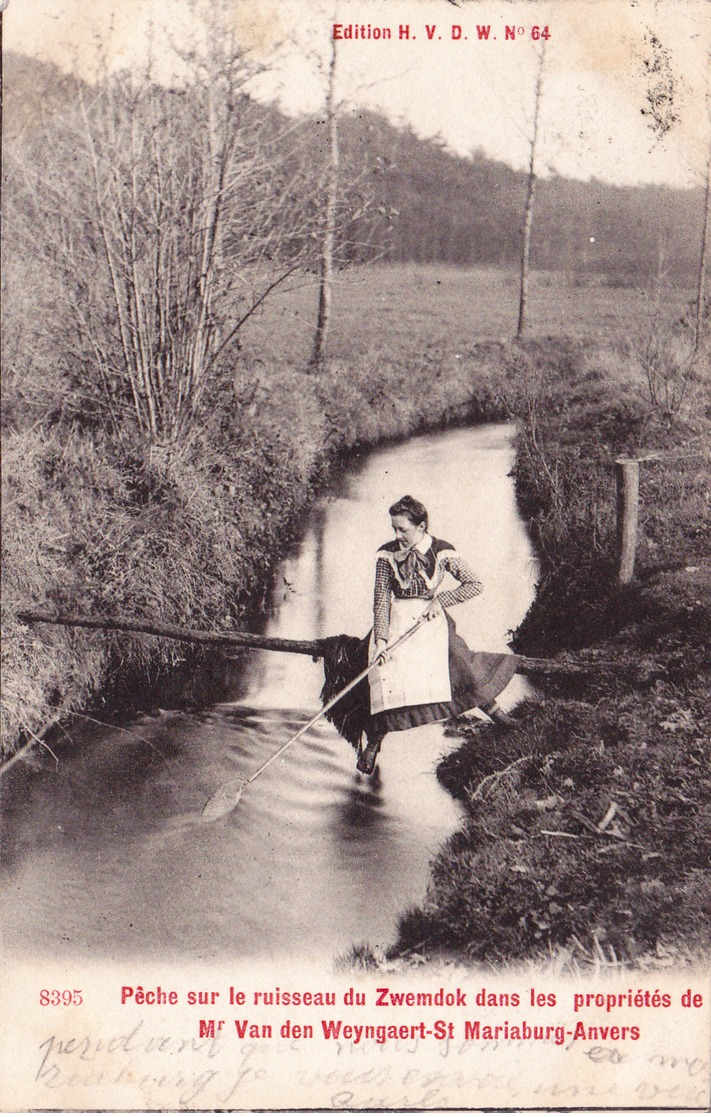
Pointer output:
398, 574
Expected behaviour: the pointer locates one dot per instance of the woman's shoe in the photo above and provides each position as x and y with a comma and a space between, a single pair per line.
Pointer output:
494, 711
366, 761
502, 718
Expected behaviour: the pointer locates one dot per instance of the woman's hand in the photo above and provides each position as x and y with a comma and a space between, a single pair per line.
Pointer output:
380, 652
433, 610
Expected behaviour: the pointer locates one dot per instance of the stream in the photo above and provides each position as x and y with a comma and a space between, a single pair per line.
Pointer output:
106, 855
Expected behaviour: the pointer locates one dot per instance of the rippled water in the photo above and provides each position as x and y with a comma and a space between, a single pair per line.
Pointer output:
110, 856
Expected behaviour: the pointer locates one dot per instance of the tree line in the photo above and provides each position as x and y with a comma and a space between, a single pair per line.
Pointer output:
145, 225
469, 211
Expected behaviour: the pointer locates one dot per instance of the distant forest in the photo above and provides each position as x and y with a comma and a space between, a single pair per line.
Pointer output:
468, 211
406, 199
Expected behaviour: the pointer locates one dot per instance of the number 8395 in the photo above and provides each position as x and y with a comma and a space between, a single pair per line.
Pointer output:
60, 997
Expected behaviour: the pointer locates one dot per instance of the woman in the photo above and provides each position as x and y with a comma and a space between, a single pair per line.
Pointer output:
432, 675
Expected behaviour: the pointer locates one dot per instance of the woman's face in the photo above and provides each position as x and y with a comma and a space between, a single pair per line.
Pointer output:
406, 532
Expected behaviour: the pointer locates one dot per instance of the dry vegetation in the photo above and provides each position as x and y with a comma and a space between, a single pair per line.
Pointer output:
589, 824
162, 434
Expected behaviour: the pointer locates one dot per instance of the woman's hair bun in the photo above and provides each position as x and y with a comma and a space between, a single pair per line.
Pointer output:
413, 509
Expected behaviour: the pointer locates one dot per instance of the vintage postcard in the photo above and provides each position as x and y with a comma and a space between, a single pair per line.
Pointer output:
355, 583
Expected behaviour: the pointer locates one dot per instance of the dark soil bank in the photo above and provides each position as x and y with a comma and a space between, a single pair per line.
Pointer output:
588, 825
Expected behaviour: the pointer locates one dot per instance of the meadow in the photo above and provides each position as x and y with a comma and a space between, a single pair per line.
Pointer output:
404, 311
588, 826
93, 526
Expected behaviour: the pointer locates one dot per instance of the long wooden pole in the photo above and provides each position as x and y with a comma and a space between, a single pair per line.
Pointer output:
173, 632
224, 800
526, 665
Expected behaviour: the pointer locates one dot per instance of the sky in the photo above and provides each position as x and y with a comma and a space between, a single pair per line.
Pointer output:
473, 93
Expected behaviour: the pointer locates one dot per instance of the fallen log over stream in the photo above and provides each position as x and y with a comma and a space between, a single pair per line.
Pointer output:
527, 665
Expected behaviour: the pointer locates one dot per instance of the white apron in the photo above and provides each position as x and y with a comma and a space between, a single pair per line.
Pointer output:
418, 672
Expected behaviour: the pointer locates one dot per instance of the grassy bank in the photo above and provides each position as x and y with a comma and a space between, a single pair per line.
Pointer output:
587, 825
96, 525
588, 829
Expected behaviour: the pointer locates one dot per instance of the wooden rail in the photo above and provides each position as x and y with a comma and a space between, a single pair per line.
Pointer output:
173, 632
317, 648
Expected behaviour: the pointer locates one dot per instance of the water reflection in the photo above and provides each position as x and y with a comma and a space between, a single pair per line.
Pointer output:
110, 855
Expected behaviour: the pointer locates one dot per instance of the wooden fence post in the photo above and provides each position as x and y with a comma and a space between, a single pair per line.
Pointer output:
627, 476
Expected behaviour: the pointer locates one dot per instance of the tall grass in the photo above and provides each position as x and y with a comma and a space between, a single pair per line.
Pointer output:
588, 825
103, 526
88, 530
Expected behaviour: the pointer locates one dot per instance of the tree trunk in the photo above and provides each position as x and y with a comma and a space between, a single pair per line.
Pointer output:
525, 254
329, 235
530, 201
701, 286
173, 632
317, 648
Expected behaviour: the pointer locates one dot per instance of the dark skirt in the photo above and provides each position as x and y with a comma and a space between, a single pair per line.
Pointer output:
476, 679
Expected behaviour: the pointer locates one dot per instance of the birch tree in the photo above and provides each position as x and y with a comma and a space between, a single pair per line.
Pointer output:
325, 291
700, 309
530, 203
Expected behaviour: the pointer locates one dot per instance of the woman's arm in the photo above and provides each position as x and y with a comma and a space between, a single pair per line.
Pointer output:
381, 610
470, 585
381, 600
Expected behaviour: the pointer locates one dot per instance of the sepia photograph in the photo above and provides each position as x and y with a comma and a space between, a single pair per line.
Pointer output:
355, 555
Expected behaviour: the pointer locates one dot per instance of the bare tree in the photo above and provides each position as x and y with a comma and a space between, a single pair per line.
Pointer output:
700, 315
530, 196
325, 291
165, 218
348, 213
